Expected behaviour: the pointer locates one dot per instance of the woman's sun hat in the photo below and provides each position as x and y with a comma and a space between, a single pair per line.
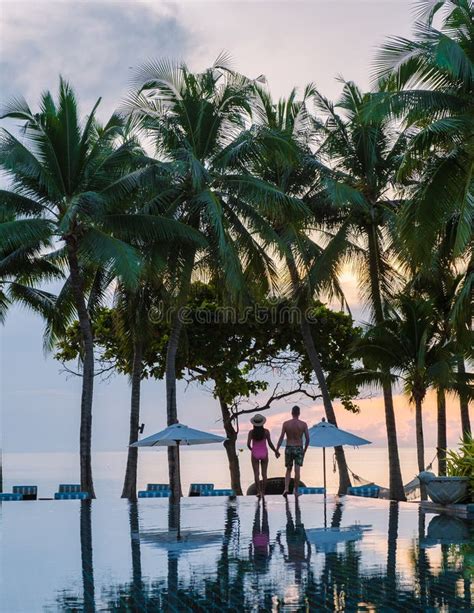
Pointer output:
258, 420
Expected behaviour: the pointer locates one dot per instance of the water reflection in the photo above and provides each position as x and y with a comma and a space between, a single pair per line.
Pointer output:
276, 557
260, 550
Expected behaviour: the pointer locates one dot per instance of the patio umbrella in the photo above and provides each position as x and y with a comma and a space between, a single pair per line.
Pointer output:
325, 435
176, 435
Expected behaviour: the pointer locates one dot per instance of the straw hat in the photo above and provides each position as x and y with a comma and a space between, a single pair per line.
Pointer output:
258, 420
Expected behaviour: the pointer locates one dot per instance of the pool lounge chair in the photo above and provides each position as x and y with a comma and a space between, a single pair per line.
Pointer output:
155, 490
70, 491
9, 496
214, 492
28, 492
66, 488
71, 496
198, 489
154, 493
366, 491
311, 490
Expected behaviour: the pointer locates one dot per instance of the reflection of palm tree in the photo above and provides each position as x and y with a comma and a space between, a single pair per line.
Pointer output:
137, 591
393, 513
86, 557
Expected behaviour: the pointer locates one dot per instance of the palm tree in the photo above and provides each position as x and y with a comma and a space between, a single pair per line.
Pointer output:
406, 342
133, 312
277, 149
361, 155
442, 283
194, 120
68, 182
433, 81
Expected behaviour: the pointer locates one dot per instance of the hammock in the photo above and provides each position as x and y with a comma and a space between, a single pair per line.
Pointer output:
411, 488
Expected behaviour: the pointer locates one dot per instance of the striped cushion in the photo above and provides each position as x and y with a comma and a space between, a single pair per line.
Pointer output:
311, 490
369, 491
217, 493
157, 487
68, 488
154, 494
71, 496
8, 496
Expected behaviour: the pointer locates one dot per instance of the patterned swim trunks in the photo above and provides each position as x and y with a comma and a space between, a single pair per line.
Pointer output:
293, 453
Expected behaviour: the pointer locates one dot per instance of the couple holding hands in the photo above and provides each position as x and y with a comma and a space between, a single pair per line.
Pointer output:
259, 440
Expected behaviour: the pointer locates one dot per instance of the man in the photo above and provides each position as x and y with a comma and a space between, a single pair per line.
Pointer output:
294, 429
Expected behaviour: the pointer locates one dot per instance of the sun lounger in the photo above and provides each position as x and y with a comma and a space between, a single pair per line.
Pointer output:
157, 487
154, 493
367, 491
65, 488
217, 493
29, 492
311, 490
198, 489
71, 496
8, 496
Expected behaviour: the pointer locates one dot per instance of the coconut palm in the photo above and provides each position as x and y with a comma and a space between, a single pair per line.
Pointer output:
277, 149
433, 78
194, 120
22, 269
442, 283
407, 343
68, 178
359, 157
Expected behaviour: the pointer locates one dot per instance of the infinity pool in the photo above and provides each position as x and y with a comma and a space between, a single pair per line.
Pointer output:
213, 554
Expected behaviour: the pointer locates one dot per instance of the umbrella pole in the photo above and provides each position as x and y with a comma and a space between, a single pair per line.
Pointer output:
178, 461
324, 469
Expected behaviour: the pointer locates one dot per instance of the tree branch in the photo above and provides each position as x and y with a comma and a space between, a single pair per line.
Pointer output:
301, 389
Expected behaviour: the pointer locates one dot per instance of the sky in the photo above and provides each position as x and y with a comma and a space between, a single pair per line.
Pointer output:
96, 46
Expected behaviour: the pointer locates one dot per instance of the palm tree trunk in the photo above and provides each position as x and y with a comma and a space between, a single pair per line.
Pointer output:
171, 353
85, 436
442, 439
171, 408
464, 403
420, 443
130, 481
230, 447
397, 491
344, 479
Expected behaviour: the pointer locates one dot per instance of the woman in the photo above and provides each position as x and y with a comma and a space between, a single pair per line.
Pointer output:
257, 443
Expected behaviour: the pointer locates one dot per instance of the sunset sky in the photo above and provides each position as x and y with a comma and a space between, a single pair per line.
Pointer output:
96, 45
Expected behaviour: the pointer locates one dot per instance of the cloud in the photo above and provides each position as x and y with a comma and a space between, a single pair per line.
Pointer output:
94, 45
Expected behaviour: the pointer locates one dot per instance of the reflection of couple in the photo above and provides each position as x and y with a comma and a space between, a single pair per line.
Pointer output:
298, 548
294, 429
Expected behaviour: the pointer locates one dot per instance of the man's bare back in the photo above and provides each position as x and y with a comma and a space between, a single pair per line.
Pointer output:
294, 429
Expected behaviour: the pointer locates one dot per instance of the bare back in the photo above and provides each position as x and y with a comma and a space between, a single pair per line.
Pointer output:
294, 430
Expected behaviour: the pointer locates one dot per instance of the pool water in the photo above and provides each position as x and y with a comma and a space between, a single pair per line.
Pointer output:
216, 554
